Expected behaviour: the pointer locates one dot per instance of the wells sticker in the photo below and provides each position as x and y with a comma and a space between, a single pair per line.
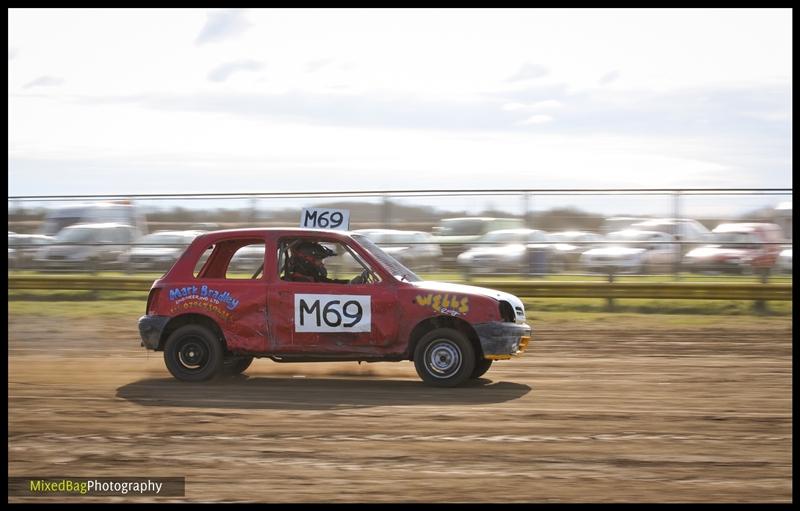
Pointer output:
445, 304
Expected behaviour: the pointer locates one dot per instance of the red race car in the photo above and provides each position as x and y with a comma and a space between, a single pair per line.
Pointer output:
296, 304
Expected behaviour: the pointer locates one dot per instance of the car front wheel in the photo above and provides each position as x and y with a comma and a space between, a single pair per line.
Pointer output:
481, 366
193, 353
444, 358
236, 365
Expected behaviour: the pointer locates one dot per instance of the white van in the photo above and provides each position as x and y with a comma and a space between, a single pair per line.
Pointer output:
118, 212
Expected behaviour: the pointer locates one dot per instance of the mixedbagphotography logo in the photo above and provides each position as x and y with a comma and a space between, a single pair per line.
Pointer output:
96, 486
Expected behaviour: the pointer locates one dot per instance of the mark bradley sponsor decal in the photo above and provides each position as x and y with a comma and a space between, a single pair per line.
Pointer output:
213, 300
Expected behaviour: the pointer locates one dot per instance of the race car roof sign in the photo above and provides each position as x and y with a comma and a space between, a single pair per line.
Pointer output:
325, 218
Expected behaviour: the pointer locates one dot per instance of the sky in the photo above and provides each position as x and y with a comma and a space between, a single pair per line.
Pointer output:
182, 101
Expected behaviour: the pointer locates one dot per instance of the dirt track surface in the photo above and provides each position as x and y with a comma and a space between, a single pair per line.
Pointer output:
586, 415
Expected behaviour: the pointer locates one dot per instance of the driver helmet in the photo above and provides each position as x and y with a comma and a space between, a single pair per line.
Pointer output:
307, 259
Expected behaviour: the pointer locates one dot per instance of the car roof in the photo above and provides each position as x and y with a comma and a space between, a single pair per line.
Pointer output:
666, 221
744, 227
573, 232
385, 231
106, 225
260, 231
521, 230
178, 233
41, 236
486, 218
631, 232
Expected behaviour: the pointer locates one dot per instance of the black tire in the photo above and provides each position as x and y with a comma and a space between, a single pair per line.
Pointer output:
481, 366
193, 353
236, 365
444, 358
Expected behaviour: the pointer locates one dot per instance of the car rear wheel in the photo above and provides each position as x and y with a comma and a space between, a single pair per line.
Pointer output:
444, 358
193, 353
481, 366
236, 365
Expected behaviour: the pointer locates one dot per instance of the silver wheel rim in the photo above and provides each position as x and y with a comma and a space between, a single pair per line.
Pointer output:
443, 358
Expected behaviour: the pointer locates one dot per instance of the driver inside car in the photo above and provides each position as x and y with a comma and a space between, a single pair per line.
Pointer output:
305, 264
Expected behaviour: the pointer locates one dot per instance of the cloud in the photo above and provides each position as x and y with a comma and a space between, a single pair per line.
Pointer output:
221, 25
547, 104
609, 77
44, 81
694, 114
316, 65
224, 71
536, 119
529, 71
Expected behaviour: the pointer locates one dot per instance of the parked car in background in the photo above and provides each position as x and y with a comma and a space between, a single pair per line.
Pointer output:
632, 251
453, 235
415, 249
117, 212
508, 251
620, 223
689, 232
742, 248
157, 251
22, 249
686, 229
567, 247
87, 247
785, 260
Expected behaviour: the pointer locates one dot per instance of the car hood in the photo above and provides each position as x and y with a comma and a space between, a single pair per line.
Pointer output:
614, 251
715, 251
447, 287
565, 247
67, 250
444, 240
154, 251
502, 250
394, 249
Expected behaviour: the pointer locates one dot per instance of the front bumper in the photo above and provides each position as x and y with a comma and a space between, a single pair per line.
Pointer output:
150, 330
501, 341
711, 265
611, 267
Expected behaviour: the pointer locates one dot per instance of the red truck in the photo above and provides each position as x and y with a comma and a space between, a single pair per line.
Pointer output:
210, 319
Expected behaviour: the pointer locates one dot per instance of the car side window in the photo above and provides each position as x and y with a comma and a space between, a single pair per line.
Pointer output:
247, 262
122, 235
321, 261
202, 260
232, 259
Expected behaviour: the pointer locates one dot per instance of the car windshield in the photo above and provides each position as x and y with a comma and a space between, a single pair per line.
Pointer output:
618, 224
391, 264
400, 237
461, 227
567, 236
164, 239
635, 239
376, 237
501, 237
77, 235
732, 237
